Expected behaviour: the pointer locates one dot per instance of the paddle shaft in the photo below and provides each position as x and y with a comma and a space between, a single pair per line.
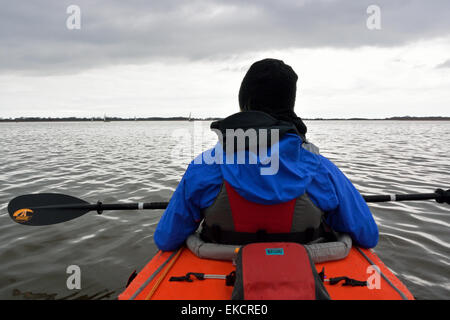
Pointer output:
402, 197
110, 206
163, 205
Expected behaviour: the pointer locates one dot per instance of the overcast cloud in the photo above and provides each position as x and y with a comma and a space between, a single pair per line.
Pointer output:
170, 58
34, 36
445, 64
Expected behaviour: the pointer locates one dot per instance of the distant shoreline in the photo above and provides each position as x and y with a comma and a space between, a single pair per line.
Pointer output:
110, 119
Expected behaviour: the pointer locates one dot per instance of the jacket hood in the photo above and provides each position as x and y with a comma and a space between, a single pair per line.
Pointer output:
278, 174
247, 120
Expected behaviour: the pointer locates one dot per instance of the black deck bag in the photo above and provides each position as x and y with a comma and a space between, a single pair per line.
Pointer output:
276, 271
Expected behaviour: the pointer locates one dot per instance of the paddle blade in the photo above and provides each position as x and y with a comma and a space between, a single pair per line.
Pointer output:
45, 209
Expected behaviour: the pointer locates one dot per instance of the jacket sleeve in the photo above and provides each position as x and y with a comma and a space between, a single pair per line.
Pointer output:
352, 215
197, 190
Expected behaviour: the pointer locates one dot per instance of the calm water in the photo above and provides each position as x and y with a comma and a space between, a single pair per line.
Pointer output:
143, 161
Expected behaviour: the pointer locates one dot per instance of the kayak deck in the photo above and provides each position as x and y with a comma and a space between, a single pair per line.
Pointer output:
167, 264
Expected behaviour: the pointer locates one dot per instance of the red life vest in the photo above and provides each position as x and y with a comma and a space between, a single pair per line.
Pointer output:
232, 219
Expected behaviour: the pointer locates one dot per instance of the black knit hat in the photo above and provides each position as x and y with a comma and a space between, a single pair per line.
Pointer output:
270, 86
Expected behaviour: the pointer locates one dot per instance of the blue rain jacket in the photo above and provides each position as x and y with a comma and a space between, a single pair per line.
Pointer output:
299, 171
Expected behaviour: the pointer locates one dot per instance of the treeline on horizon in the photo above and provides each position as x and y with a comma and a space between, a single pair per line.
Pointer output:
108, 119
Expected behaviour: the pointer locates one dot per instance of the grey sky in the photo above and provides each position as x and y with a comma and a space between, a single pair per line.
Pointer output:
445, 64
219, 36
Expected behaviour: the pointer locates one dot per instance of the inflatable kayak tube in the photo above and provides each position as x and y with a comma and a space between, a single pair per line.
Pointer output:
319, 252
152, 282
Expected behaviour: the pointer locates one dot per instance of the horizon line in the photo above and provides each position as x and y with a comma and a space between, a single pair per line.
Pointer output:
181, 118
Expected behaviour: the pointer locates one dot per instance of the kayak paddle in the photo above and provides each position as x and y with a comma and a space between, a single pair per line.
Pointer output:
51, 208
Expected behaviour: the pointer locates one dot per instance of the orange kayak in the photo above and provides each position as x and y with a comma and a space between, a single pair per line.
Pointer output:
152, 283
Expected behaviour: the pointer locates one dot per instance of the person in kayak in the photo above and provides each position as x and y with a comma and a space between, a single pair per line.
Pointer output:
305, 195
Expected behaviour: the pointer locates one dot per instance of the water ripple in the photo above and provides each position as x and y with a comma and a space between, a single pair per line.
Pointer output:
132, 161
